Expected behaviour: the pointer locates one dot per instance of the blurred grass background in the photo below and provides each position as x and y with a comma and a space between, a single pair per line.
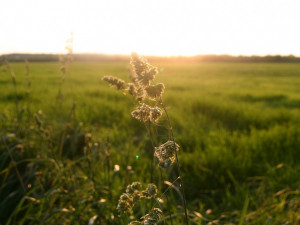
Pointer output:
237, 125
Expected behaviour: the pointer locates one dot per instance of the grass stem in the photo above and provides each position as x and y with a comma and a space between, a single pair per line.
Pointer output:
15, 166
177, 161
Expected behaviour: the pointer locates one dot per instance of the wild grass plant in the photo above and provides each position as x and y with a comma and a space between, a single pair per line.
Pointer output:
144, 89
65, 60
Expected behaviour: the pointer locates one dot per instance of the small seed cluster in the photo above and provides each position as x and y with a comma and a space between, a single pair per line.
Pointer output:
133, 195
145, 112
66, 59
152, 218
142, 72
155, 91
165, 154
142, 75
115, 82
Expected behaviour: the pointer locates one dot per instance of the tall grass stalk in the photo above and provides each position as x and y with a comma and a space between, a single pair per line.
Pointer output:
144, 91
14, 82
27, 75
15, 166
177, 162
160, 170
65, 60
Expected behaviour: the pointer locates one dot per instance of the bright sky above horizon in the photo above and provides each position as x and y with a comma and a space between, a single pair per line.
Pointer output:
152, 27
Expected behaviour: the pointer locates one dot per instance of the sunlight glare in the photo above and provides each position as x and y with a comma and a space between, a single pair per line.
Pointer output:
152, 27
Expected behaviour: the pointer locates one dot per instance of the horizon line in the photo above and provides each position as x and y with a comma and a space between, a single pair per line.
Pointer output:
150, 55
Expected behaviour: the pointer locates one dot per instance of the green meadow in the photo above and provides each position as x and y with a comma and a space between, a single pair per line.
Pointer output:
69, 145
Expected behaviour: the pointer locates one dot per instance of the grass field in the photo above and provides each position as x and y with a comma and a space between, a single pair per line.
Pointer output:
238, 126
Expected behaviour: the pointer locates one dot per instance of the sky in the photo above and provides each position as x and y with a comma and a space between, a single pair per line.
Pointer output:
152, 27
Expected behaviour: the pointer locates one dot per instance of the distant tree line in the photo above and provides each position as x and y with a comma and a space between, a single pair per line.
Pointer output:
254, 58
125, 58
231, 59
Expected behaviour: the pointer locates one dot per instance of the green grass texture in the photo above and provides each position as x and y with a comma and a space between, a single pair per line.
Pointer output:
62, 135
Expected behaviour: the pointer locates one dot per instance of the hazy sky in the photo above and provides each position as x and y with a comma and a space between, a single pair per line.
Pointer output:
152, 27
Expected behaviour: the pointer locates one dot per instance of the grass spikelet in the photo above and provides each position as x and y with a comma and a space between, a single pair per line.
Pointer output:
132, 89
165, 154
143, 72
142, 113
133, 187
137, 91
119, 84
130, 198
133, 195
155, 91
152, 218
150, 192
67, 58
145, 113
155, 114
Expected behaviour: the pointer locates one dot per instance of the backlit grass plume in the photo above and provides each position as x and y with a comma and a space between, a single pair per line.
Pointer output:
142, 76
142, 72
146, 113
133, 195
115, 82
165, 153
143, 88
155, 91
152, 218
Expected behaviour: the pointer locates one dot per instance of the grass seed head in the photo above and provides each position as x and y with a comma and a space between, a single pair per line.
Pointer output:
137, 91
152, 217
165, 153
142, 113
123, 206
166, 163
124, 197
136, 196
151, 191
132, 187
155, 91
132, 89
145, 112
143, 72
119, 84
138, 64
155, 114
130, 198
